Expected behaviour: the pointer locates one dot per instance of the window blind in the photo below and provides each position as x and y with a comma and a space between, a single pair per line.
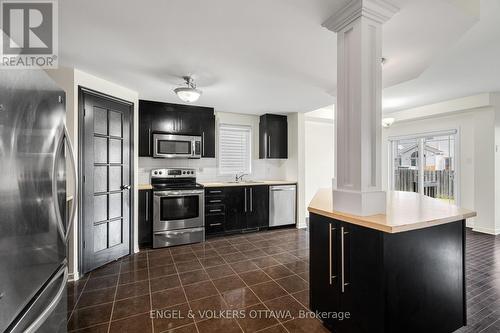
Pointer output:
234, 149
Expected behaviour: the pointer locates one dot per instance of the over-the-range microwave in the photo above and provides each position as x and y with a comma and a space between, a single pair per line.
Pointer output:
176, 146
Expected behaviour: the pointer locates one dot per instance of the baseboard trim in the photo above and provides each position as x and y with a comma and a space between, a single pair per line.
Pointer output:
488, 231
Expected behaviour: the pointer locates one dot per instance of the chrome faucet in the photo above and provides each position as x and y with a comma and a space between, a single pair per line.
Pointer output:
239, 178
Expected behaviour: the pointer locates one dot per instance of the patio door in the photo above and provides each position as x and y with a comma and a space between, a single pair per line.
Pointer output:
425, 164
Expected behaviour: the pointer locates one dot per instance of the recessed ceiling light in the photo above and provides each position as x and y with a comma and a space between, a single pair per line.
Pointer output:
188, 94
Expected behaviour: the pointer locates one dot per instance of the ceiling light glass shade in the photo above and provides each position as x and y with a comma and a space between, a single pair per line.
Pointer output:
387, 122
188, 94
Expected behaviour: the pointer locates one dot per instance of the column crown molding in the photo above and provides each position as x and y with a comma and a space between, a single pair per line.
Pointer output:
378, 10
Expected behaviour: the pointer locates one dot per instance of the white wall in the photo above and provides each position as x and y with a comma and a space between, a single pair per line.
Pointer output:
295, 164
319, 155
70, 79
476, 145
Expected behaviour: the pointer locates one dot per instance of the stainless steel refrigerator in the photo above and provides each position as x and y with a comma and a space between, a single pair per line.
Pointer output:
34, 224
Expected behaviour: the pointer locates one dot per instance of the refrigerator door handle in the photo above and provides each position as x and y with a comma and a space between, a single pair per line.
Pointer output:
60, 225
35, 325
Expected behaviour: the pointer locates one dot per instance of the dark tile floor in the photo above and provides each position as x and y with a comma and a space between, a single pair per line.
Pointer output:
254, 272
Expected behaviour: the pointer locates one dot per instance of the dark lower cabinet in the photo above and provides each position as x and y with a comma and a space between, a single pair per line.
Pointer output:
145, 218
234, 202
237, 208
412, 281
257, 214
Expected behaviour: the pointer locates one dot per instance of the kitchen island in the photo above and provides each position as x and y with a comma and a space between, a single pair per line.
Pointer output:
403, 271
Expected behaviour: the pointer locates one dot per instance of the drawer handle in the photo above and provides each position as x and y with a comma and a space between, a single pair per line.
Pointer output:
214, 224
342, 234
214, 192
330, 255
212, 201
215, 210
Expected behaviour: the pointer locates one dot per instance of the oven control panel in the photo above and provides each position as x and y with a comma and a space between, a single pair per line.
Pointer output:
173, 173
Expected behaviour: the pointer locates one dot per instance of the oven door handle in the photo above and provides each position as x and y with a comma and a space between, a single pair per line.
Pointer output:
177, 193
177, 233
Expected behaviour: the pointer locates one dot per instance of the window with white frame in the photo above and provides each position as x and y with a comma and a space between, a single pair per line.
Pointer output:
425, 163
235, 149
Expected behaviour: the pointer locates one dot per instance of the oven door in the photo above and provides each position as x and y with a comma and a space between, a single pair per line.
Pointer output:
178, 209
175, 146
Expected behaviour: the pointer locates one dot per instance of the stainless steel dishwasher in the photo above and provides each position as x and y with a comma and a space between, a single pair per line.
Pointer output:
282, 205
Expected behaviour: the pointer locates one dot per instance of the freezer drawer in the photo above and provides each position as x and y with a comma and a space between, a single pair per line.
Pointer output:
178, 237
47, 313
282, 205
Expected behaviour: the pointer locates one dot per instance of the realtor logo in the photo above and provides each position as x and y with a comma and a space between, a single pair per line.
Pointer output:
29, 34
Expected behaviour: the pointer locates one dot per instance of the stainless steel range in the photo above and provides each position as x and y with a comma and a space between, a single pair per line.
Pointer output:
178, 207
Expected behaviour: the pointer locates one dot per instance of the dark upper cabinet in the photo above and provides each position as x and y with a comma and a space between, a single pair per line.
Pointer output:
207, 132
158, 117
273, 136
145, 221
257, 215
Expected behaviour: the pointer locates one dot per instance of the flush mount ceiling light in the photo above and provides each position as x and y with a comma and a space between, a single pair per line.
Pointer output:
387, 122
188, 94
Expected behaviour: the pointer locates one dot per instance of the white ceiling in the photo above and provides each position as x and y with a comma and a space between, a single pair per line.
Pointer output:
469, 66
273, 55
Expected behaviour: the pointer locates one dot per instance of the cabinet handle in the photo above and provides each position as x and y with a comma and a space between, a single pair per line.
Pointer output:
215, 224
203, 143
342, 233
147, 207
215, 210
214, 192
215, 201
251, 199
330, 254
245, 200
268, 146
149, 140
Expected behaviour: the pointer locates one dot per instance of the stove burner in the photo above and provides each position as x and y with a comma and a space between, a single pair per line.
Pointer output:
174, 179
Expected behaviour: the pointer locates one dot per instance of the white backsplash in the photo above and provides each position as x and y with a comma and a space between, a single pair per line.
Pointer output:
207, 168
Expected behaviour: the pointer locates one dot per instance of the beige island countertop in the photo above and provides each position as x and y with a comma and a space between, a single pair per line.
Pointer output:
405, 211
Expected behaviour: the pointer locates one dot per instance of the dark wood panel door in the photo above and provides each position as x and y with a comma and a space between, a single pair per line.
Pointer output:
360, 251
106, 160
324, 265
207, 132
258, 206
145, 133
235, 205
273, 136
278, 137
145, 217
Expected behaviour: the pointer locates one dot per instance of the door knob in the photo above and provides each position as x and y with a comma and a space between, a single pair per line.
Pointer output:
125, 187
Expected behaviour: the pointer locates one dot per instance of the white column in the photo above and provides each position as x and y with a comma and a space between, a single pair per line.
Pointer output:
358, 26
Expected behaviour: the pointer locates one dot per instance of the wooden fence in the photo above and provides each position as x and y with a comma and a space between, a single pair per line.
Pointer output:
437, 184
